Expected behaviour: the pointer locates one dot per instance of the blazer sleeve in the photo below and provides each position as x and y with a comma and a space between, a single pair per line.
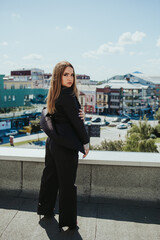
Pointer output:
71, 109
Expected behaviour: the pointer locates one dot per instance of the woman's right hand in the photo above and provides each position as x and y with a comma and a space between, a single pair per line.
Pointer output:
86, 148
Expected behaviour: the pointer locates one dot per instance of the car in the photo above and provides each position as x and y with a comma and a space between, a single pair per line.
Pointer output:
122, 126
96, 120
11, 133
125, 120
106, 123
130, 123
27, 112
117, 119
87, 120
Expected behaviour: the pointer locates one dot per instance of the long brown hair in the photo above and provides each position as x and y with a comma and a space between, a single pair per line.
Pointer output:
55, 84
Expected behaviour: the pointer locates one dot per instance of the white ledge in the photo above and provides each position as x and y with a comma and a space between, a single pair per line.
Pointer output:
94, 157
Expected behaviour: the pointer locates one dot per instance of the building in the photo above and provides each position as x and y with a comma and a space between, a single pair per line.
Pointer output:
47, 79
10, 83
85, 80
82, 79
102, 99
34, 75
15, 97
139, 78
87, 97
129, 97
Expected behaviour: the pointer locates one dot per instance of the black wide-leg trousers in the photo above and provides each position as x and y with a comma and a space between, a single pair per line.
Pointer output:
59, 174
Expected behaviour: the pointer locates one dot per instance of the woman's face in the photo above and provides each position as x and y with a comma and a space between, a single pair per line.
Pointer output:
68, 77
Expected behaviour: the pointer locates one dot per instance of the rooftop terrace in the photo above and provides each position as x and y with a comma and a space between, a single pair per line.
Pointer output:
118, 197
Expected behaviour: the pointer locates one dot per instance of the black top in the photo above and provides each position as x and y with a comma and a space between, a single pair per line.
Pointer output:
67, 127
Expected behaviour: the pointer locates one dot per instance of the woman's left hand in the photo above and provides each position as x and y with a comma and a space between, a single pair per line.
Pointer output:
81, 114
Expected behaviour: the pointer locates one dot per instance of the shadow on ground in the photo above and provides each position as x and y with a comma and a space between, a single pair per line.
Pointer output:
110, 211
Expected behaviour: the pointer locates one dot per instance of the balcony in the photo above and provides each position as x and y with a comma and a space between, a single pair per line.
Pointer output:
114, 94
114, 100
116, 190
128, 101
114, 106
127, 94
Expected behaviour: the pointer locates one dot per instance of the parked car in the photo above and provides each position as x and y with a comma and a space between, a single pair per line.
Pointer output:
125, 120
87, 120
11, 132
122, 126
117, 119
130, 123
27, 112
96, 120
106, 123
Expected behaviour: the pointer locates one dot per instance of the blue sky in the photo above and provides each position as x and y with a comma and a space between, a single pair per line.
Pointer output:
101, 38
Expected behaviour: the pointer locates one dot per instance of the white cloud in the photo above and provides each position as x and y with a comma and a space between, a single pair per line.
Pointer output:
5, 56
131, 53
109, 48
135, 53
104, 49
4, 43
125, 39
15, 15
69, 27
158, 43
89, 54
131, 38
32, 56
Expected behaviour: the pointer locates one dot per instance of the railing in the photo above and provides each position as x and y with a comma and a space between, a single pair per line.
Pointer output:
101, 175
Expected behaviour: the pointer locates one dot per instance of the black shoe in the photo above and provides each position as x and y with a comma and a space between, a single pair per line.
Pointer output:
48, 216
73, 227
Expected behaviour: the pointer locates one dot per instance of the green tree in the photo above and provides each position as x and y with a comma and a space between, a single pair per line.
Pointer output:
143, 128
109, 146
138, 138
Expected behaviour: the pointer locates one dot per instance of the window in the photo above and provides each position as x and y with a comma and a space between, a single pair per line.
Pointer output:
12, 87
9, 98
5, 98
13, 97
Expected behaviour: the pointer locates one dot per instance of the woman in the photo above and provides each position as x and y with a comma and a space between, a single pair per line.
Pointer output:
61, 158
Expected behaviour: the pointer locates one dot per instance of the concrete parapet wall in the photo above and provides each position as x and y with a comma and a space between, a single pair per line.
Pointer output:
101, 176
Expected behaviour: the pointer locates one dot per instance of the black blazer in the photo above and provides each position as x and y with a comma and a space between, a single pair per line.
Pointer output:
65, 126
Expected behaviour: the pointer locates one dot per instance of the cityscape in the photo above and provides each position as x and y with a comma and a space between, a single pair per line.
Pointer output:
114, 47
131, 96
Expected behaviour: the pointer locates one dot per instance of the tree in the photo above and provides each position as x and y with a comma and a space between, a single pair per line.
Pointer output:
144, 129
134, 143
138, 138
109, 146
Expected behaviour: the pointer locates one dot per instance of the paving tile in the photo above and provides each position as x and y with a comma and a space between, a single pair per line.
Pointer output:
127, 223
8, 209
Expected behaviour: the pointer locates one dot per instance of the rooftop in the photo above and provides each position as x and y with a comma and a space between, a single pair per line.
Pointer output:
19, 220
120, 193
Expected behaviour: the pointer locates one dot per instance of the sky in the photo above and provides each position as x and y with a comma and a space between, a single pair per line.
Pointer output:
101, 38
